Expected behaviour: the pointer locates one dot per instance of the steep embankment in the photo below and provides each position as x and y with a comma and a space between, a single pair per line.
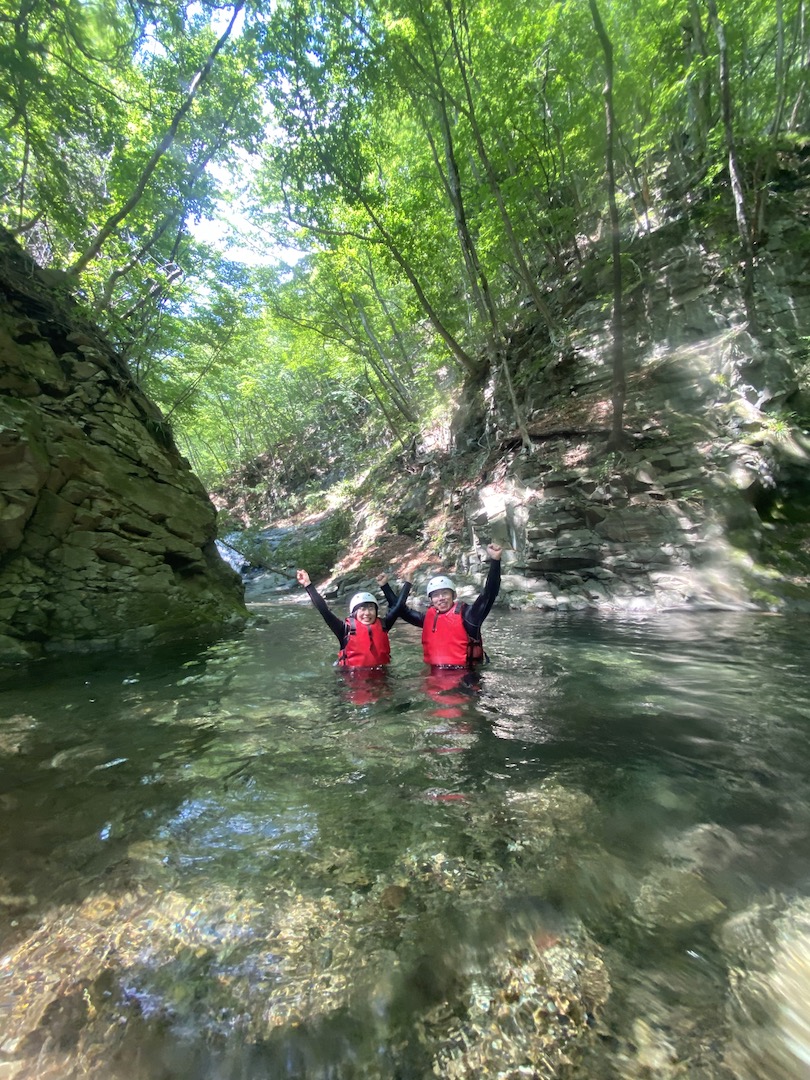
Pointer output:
106, 536
708, 504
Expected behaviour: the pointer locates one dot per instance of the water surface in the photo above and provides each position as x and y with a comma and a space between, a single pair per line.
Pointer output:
232, 861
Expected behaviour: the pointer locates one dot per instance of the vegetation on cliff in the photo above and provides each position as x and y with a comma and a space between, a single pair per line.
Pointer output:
426, 188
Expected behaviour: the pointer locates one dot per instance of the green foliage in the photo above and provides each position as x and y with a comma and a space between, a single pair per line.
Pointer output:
436, 165
88, 92
780, 427
607, 466
319, 553
316, 549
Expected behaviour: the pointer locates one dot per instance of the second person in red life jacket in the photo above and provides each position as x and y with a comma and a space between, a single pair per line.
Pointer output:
363, 637
451, 631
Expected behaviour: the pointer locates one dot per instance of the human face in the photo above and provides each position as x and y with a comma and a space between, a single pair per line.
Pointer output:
366, 614
442, 600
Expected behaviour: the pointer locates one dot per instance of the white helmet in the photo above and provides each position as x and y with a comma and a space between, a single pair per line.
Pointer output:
362, 598
440, 582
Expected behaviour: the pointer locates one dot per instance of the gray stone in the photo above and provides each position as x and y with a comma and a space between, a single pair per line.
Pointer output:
630, 525
675, 459
118, 533
683, 478
555, 563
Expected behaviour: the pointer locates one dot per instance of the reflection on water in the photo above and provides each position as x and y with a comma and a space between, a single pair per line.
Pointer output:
589, 860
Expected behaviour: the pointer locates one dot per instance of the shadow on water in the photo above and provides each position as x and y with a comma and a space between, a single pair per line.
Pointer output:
236, 861
93, 749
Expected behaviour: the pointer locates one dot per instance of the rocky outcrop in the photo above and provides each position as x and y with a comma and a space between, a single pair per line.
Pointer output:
106, 536
707, 507
659, 526
708, 504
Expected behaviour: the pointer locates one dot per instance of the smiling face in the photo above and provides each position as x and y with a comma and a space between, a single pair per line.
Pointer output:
365, 614
442, 600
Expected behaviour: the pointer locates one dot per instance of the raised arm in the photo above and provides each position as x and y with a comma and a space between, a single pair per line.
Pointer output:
395, 610
481, 607
335, 624
407, 614
387, 591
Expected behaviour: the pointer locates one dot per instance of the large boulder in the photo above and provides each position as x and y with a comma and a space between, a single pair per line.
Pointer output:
106, 535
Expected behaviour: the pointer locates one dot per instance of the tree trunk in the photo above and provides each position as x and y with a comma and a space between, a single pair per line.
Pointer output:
526, 274
472, 367
115, 219
698, 84
452, 187
389, 419
800, 49
617, 437
452, 182
395, 331
404, 403
780, 73
743, 224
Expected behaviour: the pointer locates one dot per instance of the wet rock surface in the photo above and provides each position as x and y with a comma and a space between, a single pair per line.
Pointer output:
431, 976
106, 536
434, 968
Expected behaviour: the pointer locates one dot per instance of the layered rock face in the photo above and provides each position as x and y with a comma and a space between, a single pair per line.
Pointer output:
708, 504
705, 507
106, 536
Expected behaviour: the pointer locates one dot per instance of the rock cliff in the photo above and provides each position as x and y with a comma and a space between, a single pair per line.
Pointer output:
106, 536
708, 503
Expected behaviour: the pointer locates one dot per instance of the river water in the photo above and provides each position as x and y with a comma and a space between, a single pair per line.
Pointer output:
229, 861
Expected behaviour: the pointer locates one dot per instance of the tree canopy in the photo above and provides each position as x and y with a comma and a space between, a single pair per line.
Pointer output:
435, 165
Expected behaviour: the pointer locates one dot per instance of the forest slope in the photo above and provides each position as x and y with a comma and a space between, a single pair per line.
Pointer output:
707, 502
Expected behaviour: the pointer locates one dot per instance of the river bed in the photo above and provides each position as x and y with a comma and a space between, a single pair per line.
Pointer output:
589, 860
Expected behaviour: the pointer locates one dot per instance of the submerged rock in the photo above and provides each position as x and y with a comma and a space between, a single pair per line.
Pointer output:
769, 1008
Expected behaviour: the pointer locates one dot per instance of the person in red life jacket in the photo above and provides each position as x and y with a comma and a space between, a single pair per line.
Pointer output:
451, 630
363, 637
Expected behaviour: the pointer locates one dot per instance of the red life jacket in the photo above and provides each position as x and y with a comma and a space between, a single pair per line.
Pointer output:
445, 642
366, 646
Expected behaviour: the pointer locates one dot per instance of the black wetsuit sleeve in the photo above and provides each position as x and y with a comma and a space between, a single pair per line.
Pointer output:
476, 613
394, 611
408, 615
336, 625
389, 594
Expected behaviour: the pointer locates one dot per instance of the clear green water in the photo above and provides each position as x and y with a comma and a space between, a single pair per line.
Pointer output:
231, 862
